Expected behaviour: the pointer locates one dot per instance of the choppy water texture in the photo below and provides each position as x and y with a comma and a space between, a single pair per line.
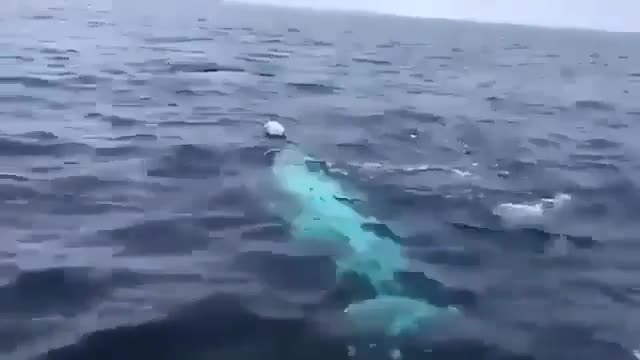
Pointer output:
134, 215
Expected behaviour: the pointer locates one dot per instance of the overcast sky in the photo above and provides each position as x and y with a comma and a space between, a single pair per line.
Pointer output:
616, 15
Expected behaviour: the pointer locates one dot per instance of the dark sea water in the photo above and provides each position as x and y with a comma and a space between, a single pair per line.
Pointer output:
134, 215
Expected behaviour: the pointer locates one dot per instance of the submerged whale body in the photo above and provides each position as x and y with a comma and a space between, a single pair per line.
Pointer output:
395, 315
323, 216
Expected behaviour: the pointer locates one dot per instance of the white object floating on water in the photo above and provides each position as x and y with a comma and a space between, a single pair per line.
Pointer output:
636, 353
351, 351
274, 129
395, 354
503, 173
532, 213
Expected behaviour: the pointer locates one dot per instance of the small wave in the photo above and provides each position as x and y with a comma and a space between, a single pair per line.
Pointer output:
114, 120
18, 148
57, 290
204, 67
170, 236
187, 161
146, 137
517, 46
266, 232
13, 177
388, 45
279, 271
182, 123
112, 71
46, 169
269, 55
387, 72
42, 17
208, 92
371, 61
594, 105
71, 204
83, 80
422, 117
199, 330
28, 81
17, 58
270, 41
439, 57
118, 151
81, 184
423, 168
410, 169
175, 39
17, 193
612, 124
265, 74
456, 258
39, 135
314, 88
58, 58
56, 51
317, 43
544, 143
99, 23
252, 59
598, 144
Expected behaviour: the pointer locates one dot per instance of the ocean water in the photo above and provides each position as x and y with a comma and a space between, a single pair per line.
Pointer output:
134, 213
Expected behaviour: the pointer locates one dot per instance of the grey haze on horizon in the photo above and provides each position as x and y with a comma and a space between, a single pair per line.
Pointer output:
612, 15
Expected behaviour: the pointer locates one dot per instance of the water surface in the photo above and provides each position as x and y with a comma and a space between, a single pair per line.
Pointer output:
132, 175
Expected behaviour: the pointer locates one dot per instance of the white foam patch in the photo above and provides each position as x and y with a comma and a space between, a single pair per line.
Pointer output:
530, 213
418, 168
462, 173
370, 165
636, 353
410, 169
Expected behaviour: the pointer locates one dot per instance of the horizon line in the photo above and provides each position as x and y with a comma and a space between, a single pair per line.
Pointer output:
419, 17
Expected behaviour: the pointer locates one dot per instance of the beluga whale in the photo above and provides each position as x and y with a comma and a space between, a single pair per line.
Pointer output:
322, 213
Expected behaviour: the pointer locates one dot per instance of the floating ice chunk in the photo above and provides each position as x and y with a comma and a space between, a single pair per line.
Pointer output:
274, 129
520, 214
532, 213
395, 354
